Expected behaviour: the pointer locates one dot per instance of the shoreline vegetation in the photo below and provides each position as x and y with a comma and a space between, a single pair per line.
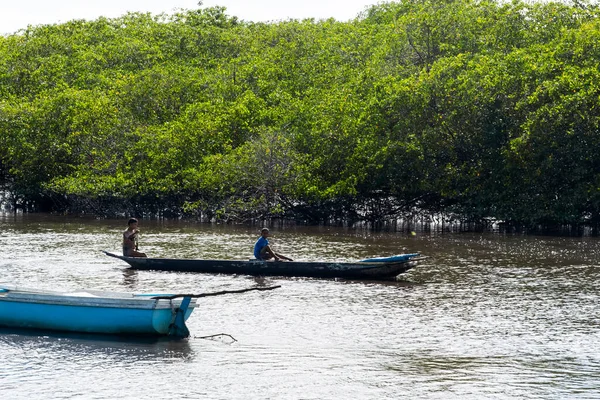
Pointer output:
477, 111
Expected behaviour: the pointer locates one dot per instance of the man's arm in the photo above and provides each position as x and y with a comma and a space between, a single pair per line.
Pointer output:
272, 253
278, 256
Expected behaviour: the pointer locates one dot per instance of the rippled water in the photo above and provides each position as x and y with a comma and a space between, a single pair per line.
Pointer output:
485, 316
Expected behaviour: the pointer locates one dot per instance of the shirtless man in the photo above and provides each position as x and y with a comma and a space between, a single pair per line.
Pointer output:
130, 246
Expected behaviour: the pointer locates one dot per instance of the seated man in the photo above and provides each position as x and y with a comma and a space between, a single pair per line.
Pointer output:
262, 250
130, 244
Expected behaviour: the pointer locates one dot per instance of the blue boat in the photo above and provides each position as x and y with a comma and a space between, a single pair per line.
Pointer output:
91, 311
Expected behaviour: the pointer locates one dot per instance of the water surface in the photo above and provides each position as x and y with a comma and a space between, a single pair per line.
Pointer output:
485, 316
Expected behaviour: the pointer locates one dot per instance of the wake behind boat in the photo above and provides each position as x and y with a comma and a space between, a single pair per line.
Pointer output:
369, 269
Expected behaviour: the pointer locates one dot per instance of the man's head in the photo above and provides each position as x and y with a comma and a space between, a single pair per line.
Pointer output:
264, 232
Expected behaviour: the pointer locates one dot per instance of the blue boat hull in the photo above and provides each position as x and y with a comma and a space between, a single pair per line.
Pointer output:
88, 314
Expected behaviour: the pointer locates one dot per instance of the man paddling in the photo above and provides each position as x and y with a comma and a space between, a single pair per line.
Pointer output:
262, 250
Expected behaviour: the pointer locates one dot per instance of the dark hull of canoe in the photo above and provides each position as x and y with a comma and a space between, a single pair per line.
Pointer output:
372, 271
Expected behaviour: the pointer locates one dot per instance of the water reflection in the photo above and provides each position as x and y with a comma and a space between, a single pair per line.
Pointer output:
130, 278
68, 345
262, 281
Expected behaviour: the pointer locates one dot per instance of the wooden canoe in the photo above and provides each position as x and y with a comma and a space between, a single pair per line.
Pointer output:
371, 269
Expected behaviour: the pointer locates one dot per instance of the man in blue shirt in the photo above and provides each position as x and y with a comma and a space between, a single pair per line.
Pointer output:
262, 250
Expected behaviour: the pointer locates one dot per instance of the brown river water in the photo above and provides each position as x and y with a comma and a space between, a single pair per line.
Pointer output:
485, 316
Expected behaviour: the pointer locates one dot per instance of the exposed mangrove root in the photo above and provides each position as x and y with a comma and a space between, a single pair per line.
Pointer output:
171, 297
218, 335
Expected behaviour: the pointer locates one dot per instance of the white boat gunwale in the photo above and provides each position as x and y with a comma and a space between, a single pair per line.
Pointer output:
89, 298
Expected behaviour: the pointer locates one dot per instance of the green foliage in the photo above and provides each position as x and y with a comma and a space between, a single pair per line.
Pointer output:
479, 108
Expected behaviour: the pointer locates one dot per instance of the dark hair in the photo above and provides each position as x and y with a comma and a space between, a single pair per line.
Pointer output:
132, 221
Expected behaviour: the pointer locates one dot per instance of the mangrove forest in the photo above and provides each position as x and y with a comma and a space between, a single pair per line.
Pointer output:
478, 110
